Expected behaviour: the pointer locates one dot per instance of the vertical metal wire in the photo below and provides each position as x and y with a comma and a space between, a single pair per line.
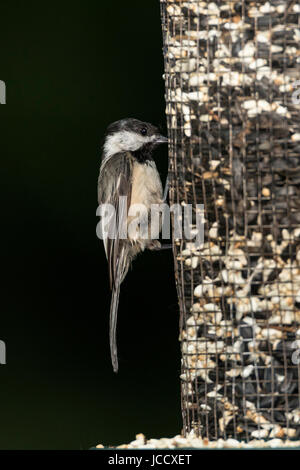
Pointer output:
234, 129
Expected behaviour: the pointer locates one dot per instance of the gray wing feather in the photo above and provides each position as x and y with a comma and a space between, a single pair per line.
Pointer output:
115, 181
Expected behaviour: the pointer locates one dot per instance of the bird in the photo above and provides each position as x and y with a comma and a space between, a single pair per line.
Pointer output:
127, 169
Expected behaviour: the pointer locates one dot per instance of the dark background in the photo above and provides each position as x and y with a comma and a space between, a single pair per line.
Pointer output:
71, 68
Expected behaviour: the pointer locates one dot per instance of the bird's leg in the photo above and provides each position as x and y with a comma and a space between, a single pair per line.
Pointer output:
167, 246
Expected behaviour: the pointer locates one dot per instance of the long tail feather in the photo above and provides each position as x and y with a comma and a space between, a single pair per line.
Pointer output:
123, 263
113, 324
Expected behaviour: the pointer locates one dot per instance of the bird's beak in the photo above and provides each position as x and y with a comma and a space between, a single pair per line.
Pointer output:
161, 139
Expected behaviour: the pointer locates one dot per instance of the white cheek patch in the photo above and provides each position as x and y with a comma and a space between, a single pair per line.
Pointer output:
125, 141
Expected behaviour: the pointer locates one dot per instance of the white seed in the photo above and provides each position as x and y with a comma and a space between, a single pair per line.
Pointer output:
266, 192
233, 372
198, 96
196, 79
247, 371
187, 129
215, 163
275, 48
174, 10
289, 432
296, 137
267, 8
198, 291
283, 111
248, 52
213, 233
196, 308
191, 321
211, 308
260, 433
254, 12
264, 105
232, 443
271, 333
263, 36
205, 118
281, 9
256, 64
249, 104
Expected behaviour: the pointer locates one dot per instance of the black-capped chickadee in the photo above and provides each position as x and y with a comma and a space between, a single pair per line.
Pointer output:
127, 169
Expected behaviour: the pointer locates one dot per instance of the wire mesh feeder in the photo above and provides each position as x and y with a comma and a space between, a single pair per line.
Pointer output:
230, 71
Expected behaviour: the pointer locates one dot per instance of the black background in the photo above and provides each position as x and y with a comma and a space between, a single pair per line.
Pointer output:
70, 69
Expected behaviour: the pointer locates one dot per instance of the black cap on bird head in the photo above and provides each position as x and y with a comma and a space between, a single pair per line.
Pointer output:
132, 135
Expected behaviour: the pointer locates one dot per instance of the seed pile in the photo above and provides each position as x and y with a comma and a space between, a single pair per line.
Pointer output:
233, 111
191, 441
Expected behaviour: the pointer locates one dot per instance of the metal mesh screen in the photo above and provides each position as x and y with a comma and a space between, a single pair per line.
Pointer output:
233, 118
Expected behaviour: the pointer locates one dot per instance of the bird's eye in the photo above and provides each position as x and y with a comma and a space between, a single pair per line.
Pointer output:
144, 131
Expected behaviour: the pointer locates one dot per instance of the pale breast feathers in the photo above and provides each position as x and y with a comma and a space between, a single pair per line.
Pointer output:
146, 185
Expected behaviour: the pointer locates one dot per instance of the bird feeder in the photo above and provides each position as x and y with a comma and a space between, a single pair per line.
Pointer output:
232, 77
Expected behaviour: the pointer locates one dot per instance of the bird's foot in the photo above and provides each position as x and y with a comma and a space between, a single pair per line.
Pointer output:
154, 245
157, 246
